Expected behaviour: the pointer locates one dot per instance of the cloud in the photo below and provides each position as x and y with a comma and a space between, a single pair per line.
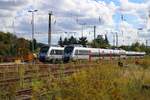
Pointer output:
68, 15
10, 8
127, 6
11, 5
139, 10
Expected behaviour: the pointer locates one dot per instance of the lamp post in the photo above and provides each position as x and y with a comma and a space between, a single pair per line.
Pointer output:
32, 11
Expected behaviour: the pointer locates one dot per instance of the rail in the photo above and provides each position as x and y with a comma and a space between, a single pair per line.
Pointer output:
13, 74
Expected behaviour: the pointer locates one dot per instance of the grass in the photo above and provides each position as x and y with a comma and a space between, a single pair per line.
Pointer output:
105, 81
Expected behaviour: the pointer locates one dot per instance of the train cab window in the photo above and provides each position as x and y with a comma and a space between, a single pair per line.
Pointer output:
76, 52
56, 52
52, 52
69, 49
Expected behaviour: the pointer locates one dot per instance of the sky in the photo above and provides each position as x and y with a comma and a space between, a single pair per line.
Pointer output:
77, 17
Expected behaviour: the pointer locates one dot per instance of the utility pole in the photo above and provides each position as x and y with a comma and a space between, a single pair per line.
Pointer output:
146, 43
13, 40
13, 25
49, 29
113, 39
82, 30
83, 26
122, 19
116, 39
32, 11
94, 32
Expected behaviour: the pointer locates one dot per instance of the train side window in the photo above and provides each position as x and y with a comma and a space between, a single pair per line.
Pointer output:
76, 52
58, 52
52, 52
83, 52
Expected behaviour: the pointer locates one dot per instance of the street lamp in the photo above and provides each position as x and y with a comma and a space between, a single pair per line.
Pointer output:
32, 11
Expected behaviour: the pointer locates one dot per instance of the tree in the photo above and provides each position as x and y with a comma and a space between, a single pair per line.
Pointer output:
10, 45
83, 41
35, 44
22, 46
65, 42
60, 42
135, 47
100, 42
72, 40
106, 41
142, 47
125, 47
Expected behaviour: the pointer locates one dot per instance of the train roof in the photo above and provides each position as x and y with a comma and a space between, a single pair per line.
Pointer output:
51, 46
107, 50
54, 47
57, 47
135, 52
97, 48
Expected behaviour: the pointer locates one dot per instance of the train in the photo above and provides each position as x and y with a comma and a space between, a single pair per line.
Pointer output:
73, 53
83, 53
51, 54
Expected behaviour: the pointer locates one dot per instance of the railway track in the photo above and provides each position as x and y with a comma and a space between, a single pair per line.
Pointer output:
13, 74
24, 94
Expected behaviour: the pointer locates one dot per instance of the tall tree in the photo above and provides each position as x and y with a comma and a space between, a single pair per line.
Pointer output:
106, 39
83, 41
65, 42
100, 42
72, 40
60, 42
35, 44
135, 47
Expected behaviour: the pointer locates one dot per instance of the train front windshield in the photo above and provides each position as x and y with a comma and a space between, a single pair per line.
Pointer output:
68, 50
67, 53
43, 53
44, 49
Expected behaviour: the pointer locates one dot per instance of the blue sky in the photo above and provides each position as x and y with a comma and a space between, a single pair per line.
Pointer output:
68, 17
115, 1
137, 1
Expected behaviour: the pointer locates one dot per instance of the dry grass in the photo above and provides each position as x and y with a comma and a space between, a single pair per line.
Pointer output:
105, 81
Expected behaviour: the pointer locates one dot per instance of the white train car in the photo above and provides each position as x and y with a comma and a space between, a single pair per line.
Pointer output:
135, 54
83, 53
51, 54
